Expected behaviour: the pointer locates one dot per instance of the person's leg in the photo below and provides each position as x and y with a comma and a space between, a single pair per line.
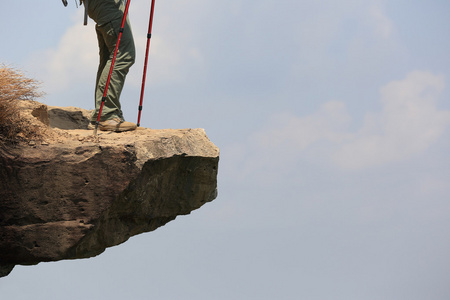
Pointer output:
108, 34
103, 60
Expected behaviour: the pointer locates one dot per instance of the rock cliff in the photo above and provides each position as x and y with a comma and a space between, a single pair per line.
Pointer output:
70, 195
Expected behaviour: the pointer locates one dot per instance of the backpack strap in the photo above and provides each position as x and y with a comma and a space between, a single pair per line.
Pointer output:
85, 3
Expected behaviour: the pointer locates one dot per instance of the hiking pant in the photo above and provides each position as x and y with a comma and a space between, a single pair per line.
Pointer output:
107, 35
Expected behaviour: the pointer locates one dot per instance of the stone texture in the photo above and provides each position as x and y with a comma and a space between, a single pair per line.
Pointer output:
71, 195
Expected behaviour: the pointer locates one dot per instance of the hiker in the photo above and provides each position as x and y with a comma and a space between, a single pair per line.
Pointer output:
108, 15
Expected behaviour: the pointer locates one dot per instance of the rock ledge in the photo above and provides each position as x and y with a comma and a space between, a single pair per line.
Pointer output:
72, 195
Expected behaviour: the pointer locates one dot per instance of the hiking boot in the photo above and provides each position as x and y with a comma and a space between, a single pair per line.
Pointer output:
117, 125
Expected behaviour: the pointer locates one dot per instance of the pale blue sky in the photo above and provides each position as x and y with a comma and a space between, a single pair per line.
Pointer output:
333, 122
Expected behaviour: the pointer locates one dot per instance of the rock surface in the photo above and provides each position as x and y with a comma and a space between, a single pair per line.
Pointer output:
71, 195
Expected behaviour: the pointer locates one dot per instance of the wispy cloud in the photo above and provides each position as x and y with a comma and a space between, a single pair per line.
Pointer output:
291, 132
408, 124
382, 25
73, 61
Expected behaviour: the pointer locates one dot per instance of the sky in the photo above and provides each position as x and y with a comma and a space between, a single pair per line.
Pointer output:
333, 123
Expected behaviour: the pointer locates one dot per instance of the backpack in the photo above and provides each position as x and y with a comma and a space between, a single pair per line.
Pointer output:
85, 3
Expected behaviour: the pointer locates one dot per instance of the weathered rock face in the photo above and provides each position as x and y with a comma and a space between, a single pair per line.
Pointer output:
73, 195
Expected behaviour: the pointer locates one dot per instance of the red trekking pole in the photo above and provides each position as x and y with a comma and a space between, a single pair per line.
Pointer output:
149, 36
112, 66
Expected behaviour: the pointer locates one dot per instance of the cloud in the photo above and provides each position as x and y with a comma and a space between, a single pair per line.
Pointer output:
383, 26
408, 124
73, 60
295, 133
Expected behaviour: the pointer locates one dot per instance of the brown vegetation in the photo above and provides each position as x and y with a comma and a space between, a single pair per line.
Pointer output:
14, 86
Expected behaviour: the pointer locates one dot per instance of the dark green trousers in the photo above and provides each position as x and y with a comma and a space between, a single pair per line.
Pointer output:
107, 34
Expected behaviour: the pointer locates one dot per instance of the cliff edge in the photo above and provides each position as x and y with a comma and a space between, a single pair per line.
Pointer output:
69, 194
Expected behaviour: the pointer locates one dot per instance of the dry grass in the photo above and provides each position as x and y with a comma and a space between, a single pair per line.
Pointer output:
15, 86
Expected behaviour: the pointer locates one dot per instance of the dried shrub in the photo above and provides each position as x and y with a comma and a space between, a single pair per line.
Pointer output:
15, 86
